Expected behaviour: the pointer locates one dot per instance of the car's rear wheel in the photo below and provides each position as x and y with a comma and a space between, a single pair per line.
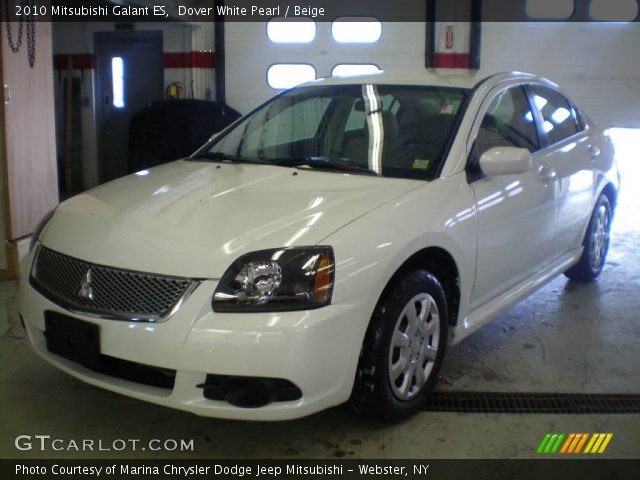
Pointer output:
596, 244
403, 348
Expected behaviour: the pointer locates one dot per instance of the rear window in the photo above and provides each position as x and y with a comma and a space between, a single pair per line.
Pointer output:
559, 117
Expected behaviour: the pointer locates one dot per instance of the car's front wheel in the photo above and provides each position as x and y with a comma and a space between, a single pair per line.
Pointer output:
403, 348
596, 244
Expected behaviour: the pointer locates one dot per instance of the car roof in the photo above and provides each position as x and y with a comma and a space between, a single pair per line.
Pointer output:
456, 79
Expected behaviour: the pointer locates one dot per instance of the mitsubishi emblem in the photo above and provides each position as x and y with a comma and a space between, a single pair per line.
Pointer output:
86, 288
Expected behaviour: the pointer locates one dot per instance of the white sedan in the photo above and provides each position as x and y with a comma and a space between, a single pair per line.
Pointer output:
324, 248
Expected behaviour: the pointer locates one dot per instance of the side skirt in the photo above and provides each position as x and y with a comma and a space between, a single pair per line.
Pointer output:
483, 314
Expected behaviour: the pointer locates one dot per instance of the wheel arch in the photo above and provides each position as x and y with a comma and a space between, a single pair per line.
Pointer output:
612, 194
442, 265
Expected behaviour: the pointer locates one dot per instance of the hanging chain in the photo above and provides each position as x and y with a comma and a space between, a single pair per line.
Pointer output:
31, 40
31, 31
15, 47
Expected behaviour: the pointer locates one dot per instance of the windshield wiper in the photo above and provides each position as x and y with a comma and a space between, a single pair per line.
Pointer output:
223, 157
326, 163
323, 163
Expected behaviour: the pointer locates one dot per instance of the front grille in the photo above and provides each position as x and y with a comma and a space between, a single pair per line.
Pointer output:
116, 293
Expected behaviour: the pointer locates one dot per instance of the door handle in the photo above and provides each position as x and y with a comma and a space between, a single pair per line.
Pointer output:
594, 152
7, 94
546, 173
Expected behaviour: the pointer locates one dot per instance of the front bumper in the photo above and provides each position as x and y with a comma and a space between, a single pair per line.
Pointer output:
316, 350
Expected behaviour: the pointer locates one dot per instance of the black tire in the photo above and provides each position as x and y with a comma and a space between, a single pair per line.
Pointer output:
590, 265
373, 393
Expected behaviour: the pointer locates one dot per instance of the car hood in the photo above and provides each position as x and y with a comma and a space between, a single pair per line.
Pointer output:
192, 218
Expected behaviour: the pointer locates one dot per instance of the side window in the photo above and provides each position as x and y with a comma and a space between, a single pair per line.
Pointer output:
559, 117
507, 123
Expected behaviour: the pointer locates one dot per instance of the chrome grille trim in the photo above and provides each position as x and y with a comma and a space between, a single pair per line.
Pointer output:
118, 294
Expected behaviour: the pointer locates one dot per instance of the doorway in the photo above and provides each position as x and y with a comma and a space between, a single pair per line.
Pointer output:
129, 76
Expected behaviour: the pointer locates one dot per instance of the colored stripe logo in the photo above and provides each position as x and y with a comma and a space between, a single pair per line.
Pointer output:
573, 443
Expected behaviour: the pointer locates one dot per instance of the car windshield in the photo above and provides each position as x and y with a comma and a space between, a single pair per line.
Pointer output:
386, 130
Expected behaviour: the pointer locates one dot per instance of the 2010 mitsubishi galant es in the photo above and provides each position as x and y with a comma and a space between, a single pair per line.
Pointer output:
324, 248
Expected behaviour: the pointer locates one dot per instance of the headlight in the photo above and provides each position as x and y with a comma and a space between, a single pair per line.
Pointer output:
38, 230
277, 280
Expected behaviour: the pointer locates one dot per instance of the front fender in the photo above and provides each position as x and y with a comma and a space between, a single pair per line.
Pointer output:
371, 249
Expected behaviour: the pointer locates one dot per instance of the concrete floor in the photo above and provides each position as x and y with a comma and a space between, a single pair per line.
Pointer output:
566, 338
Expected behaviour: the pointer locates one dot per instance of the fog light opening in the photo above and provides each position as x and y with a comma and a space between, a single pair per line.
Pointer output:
247, 392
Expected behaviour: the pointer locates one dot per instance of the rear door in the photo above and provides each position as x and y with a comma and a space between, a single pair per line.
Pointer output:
569, 155
516, 213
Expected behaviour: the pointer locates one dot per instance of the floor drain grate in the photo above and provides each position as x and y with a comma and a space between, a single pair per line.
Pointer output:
504, 402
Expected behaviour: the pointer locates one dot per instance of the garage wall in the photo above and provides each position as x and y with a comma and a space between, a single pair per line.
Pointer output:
249, 53
31, 188
596, 63
76, 39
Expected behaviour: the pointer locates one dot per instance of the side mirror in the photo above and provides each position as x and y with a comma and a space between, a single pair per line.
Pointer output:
505, 161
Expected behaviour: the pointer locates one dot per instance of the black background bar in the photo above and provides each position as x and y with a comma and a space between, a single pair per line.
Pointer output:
264, 10
543, 468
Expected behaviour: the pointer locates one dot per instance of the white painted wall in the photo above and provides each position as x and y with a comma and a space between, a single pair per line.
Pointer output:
249, 53
598, 64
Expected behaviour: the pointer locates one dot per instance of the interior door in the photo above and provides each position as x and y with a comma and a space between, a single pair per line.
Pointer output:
130, 75
516, 213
